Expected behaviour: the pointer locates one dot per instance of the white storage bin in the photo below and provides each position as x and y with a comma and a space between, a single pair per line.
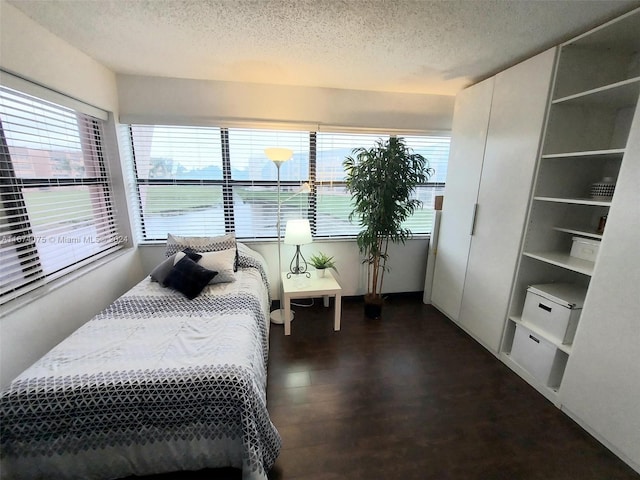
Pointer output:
585, 248
536, 356
555, 308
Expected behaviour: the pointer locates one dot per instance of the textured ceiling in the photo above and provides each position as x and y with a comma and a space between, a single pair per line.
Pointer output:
415, 46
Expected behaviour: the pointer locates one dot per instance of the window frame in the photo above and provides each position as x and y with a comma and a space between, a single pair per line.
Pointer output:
228, 185
21, 236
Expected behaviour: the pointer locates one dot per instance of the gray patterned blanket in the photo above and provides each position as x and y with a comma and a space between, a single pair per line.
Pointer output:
155, 383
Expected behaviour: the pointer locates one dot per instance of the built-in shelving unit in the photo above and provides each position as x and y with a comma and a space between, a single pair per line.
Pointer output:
594, 97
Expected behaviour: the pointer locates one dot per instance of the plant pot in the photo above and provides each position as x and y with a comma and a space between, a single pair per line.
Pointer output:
372, 307
321, 272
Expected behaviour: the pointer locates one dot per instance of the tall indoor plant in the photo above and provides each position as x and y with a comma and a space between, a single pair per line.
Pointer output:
381, 180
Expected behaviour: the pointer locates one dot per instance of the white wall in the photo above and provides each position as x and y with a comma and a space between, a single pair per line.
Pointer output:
171, 100
34, 53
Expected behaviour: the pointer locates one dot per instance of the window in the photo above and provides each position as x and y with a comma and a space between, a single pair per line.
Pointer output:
179, 179
55, 208
208, 180
203, 181
333, 200
254, 181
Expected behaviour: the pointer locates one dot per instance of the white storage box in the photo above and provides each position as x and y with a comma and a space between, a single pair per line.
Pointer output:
537, 356
555, 308
585, 248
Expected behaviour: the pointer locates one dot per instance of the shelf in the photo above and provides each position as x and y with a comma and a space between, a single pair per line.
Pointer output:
618, 95
563, 260
538, 331
619, 34
582, 233
612, 154
575, 201
550, 394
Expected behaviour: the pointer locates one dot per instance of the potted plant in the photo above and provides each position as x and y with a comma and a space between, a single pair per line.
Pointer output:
321, 262
382, 180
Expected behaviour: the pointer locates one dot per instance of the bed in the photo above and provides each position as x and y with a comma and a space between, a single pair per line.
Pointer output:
155, 383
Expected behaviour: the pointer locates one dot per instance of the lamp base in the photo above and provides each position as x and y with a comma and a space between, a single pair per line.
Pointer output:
277, 316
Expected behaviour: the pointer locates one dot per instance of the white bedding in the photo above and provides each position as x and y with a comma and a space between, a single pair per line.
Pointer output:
155, 383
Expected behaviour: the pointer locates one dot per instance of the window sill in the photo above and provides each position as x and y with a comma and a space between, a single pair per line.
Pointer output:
249, 241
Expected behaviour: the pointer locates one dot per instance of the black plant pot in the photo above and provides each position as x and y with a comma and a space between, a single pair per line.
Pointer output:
372, 308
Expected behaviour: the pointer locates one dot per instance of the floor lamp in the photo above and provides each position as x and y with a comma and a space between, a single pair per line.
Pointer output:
278, 156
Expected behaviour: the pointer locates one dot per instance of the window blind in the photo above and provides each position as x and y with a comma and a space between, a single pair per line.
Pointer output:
179, 177
56, 211
334, 202
436, 150
203, 181
254, 180
209, 180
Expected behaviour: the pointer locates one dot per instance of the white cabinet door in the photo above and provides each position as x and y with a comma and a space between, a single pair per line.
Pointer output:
469, 133
601, 384
518, 109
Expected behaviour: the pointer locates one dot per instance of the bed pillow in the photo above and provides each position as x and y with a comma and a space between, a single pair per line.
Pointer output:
221, 262
188, 277
188, 253
159, 274
176, 243
249, 257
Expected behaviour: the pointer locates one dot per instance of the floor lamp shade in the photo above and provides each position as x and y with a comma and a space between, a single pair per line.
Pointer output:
276, 154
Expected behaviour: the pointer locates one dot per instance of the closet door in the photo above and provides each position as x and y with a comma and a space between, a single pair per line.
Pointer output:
469, 133
517, 115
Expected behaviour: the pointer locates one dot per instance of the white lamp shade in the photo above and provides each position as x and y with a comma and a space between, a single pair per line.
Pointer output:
278, 155
298, 232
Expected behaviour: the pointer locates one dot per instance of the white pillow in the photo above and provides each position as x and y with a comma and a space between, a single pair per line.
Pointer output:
176, 243
221, 262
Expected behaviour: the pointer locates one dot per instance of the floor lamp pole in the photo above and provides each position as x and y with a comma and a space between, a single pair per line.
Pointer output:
277, 316
280, 311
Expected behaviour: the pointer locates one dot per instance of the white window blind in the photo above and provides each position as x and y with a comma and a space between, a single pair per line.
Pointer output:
56, 212
208, 181
334, 202
436, 150
254, 180
179, 174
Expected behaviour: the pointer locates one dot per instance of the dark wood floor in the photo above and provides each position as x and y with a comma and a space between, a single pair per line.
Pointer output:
411, 396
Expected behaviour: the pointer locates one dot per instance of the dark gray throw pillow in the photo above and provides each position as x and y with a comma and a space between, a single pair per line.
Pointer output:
188, 277
159, 274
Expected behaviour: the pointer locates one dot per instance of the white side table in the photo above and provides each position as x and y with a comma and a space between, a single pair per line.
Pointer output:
299, 286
